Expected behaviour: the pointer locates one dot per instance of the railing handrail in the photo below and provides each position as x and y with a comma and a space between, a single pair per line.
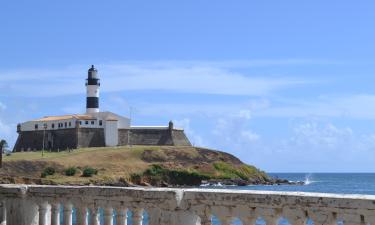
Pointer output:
193, 203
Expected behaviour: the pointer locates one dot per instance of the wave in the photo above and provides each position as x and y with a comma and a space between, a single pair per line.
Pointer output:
308, 179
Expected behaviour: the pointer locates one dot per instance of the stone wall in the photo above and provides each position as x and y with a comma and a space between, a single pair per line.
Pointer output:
90, 137
64, 139
53, 140
153, 137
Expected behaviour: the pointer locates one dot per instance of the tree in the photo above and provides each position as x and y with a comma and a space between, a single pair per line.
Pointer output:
3, 146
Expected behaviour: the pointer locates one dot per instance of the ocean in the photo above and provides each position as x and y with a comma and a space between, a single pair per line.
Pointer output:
339, 183
343, 183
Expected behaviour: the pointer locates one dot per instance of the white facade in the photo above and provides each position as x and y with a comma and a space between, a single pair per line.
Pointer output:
92, 120
123, 122
108, 121
111, 133
50, 125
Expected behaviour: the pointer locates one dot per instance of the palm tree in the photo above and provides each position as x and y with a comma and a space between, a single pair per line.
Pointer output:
3, 146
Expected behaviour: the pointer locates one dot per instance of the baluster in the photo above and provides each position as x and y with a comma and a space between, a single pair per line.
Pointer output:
370, 219
352, 219
55, 214
248, 220
164, 217
226, 220
295, 216
2, 213
68, 211
297, 221
205, 219
94, 216
271, 220
42, 208
322, 217
137, 216
121, 216
270, 215
108, 216
81, 215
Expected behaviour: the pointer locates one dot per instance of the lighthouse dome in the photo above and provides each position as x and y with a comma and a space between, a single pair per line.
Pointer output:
92, 73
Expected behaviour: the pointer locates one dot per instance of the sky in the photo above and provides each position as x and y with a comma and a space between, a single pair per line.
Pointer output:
287, 86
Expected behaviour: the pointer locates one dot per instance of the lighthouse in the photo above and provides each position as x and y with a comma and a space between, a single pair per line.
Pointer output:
92, 88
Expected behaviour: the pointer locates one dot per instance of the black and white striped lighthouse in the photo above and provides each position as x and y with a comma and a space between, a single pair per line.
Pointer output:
92, 86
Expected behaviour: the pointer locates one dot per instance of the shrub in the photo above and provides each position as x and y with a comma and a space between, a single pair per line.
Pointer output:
48, 171
89, 172
157, 174
229, 171
135, 178
71, 171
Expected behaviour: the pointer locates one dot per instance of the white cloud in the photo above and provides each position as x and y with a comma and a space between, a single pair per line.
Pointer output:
359, 106
249, 135
233, 131
2, 106
209, 78
7, 132
194, 138
317, 136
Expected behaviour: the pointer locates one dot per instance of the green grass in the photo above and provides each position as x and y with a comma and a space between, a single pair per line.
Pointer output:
175, 165
157, 174
245, 172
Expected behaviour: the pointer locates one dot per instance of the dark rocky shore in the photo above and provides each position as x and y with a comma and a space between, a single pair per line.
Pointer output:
240, 182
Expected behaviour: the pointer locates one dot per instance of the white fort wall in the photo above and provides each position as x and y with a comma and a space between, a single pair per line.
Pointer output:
33, 205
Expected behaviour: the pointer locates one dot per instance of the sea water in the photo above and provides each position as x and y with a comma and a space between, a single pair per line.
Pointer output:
343, 183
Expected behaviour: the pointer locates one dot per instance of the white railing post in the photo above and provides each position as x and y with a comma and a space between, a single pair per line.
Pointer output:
249, 220
205, 219
55, 213
108, 216
42, 208
122, 216
21, 211
94, 216
295, 216
2, 213
137, 216
81, 215
226, 220
320, 217
68, 211
185, 217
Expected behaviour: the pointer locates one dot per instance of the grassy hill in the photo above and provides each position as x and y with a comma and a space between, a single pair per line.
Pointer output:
123, 166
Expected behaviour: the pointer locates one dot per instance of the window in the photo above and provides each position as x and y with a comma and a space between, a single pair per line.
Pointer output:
100, 122
92, 122
70, 124
86, 122
53, 126
36, 126
66, 124
80, 122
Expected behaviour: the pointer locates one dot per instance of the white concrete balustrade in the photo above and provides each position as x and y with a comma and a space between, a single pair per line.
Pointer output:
49, 205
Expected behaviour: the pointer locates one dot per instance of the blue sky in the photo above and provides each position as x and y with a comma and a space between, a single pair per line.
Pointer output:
285, 85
